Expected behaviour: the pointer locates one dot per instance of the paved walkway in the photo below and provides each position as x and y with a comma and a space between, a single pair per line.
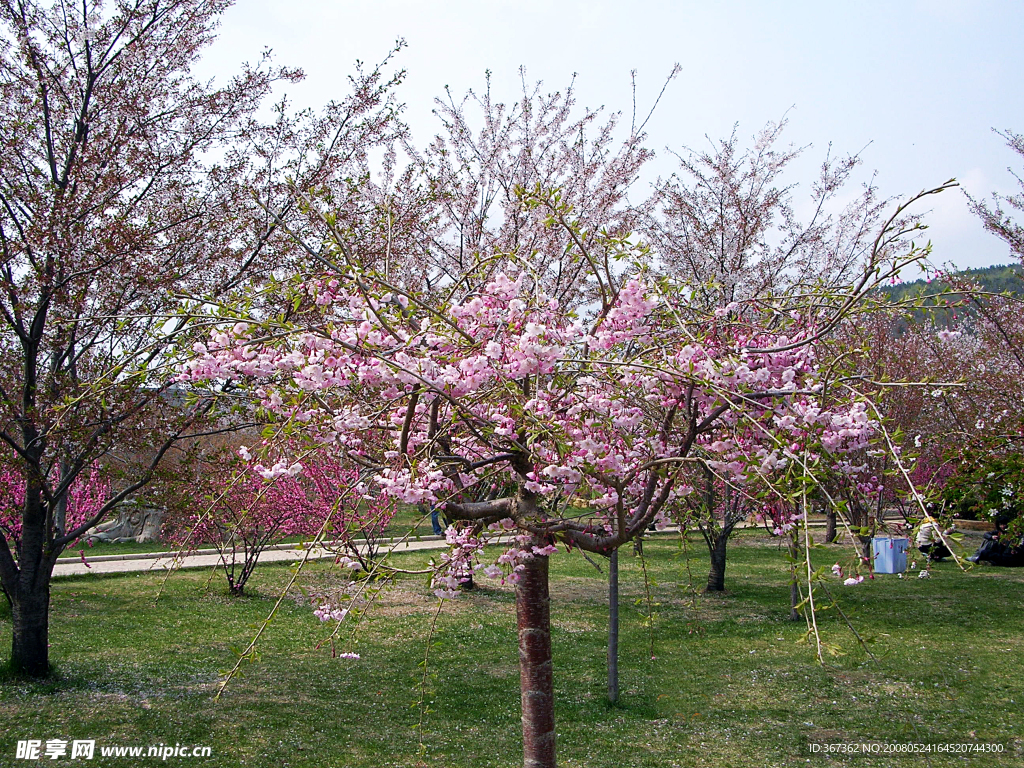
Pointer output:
208, 558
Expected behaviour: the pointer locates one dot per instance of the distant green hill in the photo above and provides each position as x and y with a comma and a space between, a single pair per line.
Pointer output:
1006, 278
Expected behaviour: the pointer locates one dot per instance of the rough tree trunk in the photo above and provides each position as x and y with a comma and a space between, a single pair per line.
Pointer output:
30, 611
865, 548
613, 627
535, 666
794, 587
716, 538
830, 525
27, 585
717, 549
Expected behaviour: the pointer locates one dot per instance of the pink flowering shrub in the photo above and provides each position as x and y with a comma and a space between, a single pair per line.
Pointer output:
243, 509
86, 496
358, 515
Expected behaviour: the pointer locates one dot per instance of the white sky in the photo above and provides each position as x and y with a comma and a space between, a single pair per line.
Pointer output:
917, 84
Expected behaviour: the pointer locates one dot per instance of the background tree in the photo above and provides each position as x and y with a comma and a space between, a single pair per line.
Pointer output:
489, 153
125, 188
881, 354
997, 219
725, 228
85, 496
716, 507
427, 215
726, 223
357, 523
941, 362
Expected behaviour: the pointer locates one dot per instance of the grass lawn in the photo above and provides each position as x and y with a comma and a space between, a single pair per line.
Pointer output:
730, 685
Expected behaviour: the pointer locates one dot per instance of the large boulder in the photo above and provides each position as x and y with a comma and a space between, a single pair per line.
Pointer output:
136, 521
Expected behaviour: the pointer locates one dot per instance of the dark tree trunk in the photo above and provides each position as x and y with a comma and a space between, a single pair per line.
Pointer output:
794, 587
717, 538
717, 549
865, 548
830, 525
794, 600
27, 585
535, 664
613, 627
30, 654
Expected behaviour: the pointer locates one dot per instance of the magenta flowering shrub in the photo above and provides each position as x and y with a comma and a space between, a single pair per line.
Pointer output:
85, 497
357, 514
244, 508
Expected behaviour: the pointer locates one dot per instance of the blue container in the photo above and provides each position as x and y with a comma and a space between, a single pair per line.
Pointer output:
890, 555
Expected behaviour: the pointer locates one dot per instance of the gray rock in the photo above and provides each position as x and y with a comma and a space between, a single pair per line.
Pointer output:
135, 522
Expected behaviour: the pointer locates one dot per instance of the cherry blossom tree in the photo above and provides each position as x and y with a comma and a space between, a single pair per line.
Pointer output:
972, 416
126, 187
725, 227
240, 515
494, 383
429, 215
881, 357
999, 326
986, 463
488, 153
356, 523
943, 372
